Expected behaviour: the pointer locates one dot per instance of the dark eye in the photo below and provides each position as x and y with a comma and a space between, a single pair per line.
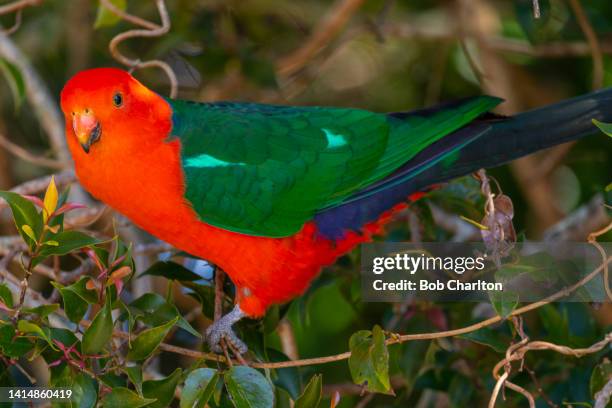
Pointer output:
118, 100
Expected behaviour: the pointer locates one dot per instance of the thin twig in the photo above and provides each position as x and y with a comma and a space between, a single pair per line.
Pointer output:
496, 42
12, 29
603, 396
23, 154
150, 30
517, 352
589, 33
327, 29
18, 5
592, 239
43, 104
536, 9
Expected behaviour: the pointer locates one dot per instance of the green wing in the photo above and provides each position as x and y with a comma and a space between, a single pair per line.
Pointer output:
265, 170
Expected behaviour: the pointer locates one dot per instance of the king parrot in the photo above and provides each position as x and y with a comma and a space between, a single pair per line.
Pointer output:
271, 194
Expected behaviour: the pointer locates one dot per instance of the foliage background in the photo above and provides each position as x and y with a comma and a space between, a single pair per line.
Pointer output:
389, 56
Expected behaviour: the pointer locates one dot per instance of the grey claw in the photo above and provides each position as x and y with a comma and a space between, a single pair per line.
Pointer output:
222, 329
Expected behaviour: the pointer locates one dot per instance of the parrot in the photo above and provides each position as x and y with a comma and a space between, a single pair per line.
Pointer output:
271, 194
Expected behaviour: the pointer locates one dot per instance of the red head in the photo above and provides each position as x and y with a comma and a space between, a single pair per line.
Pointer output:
108, 111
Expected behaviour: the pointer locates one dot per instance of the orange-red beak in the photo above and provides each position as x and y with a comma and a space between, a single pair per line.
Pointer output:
86, 128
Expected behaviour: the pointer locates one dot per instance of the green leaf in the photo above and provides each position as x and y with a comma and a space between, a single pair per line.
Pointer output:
77, 298
12, 346
25, 326
489, 337
248, 388
369, 361
503, 302
6, 296
311, 396
41, 311
121, 397
74, 306
134, 373
24, 213
287, 378
106, 18
604, 127
99, 333
602, 373
13, 76
156, 310
84, 389
68, 241
162, 390
199, 387
146, 342
171, 270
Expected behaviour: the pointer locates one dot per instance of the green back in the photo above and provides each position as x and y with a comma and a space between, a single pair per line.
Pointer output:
265, 170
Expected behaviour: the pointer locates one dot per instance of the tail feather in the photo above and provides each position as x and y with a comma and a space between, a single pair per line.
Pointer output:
489, 141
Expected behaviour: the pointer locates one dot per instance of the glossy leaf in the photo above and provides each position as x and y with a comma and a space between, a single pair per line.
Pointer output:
369, 361
147, 342
134, 373
25, 326
77, 298
99, 333
41, 311
199, 387
155, 310
68, 241
121, 397
311, 397
248, 388
171, 270
162, 390
24, 213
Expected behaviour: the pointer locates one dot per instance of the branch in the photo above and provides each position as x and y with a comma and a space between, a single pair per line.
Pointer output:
150, 30
603, 396
589, 33
23, 154
18, 5
395, 339
43, 104
325, 31
497, 43
517, 352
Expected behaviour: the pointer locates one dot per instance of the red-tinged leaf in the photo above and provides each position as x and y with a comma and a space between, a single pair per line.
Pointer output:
35, 200
119, 285
92, 255
5, 307
68, 207
121, 272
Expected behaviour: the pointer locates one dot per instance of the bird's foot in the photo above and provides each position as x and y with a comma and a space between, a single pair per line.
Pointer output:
222, 330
